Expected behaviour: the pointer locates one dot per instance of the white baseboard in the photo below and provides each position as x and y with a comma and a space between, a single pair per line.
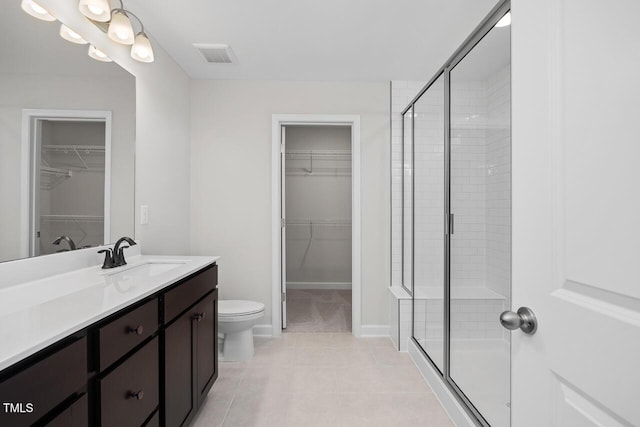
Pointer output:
374, 330
265, 330
319, 285
454, 409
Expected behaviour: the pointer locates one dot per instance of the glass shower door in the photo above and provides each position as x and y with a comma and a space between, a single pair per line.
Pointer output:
480, 201
428, 222
407, 200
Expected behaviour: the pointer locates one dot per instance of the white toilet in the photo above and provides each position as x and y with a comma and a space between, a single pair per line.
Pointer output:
235, 321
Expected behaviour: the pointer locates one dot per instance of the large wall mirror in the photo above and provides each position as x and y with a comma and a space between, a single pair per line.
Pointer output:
67, 142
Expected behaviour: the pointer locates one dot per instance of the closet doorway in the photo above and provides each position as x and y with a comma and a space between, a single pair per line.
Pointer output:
316, 244
317, 232
66, 175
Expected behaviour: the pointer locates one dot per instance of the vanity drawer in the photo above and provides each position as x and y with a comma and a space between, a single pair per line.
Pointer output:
187, 293
44, 385
76, 415
121, 335
130, 393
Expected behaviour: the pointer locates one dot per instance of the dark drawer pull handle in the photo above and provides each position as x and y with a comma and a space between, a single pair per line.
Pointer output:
137, 331
199, 316
138, 395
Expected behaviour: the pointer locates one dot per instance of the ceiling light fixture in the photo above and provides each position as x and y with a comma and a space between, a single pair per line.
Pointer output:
70, 35
35, 10
96, 10
141, 49
98, 55
505, 21
120, 28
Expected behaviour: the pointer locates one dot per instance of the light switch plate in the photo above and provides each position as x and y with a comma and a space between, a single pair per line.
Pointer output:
144, 214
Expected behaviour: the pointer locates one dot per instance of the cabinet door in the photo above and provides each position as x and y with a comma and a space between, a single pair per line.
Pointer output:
206, 344
178, 370
75, 415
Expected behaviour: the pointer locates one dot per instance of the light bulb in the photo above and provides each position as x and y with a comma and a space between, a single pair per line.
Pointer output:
505, 21
98, 55
35, 10
120, 29
141, 49
97, 10
70, 35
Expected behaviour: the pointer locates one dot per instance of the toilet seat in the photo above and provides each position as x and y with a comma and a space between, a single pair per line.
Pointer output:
239, 310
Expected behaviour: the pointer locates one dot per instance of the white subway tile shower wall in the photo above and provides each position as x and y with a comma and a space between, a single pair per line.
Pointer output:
405, 323
402, 92
498, 183
394, 319
480, 201
429, 195
468, 119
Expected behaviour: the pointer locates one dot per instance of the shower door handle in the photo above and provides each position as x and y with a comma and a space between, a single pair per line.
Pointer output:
523, 319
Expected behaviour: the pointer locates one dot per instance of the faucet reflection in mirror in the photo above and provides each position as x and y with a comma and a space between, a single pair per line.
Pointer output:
70, 242
120, 28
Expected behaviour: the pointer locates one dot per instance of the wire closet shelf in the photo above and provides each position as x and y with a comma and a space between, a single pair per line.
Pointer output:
318, 162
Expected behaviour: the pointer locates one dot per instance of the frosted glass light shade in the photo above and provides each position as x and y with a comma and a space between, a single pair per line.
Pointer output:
98, 10
98, 55
120, 29
35, 10
70, 35
141, 49
505, 21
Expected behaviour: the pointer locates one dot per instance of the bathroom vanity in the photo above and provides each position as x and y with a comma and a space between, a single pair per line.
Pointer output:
129, 347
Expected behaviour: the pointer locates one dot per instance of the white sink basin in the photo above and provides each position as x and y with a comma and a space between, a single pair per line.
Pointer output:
145, 269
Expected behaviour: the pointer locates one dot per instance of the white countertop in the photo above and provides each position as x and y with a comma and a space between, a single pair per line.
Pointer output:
38, 313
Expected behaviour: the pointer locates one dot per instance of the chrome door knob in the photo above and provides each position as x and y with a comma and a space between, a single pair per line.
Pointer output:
523, 319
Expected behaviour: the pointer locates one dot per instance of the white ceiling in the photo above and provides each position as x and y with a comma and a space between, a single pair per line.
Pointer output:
314, 40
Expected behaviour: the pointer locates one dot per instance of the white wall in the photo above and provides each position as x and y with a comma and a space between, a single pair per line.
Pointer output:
42, 91
231, 179
162, 136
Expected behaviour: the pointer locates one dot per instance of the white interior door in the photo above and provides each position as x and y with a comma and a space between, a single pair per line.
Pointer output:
34, 190
283, 228
576, 212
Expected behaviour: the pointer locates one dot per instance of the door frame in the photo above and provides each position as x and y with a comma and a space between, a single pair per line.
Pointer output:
277, 121
27, 183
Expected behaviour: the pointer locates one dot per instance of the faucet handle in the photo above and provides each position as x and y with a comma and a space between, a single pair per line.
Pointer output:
121, 260
108, 258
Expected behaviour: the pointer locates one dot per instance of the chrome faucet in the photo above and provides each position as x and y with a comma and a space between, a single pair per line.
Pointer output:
67, 239
115, 257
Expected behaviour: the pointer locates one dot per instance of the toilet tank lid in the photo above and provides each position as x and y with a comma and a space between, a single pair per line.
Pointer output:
235, 307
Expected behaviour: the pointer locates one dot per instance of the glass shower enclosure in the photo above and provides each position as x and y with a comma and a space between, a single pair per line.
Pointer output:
460, 219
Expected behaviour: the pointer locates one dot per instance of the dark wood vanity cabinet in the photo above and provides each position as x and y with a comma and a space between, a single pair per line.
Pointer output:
48, 382
190, 347
150, 364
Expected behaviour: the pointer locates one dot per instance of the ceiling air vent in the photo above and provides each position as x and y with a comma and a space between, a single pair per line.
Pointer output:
216, 53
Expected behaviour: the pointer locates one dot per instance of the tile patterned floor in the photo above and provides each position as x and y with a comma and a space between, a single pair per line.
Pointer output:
322, 379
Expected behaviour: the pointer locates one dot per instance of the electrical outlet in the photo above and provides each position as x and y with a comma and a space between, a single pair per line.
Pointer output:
144, 214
